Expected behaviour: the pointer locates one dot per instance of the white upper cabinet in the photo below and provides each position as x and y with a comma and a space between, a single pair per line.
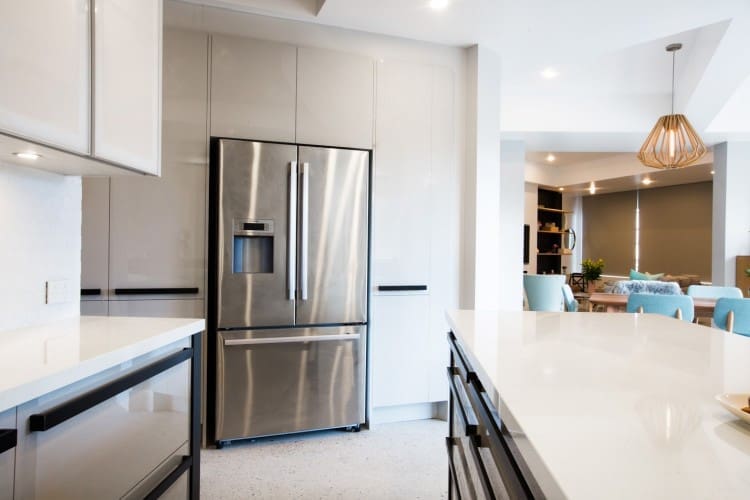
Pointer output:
44, 72
253, 89
157, 225
335, 93
127, 82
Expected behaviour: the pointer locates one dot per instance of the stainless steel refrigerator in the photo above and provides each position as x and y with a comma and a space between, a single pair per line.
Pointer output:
291, 271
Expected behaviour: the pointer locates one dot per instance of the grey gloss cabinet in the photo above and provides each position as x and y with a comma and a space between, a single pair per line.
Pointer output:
7, 456
107, 450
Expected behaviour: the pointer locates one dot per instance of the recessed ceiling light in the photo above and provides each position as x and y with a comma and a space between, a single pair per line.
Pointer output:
438, 4
592, 188
550, 73
712, 172
561, 189
647, 181
550, 158
28, 155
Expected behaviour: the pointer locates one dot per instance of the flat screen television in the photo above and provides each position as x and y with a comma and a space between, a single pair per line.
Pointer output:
525, 243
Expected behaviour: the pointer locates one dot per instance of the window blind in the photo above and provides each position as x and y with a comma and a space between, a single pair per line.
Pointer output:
609, 230
675, 229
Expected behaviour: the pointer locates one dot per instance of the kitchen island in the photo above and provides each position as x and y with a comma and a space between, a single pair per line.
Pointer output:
101, 407
564, 405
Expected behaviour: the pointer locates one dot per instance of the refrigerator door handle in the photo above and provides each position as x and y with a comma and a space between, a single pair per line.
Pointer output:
305, 236
291, 340
292, 236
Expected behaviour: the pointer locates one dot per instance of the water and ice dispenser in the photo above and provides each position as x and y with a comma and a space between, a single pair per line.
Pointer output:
253, 246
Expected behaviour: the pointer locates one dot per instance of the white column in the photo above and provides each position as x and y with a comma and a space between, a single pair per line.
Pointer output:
731, 209
481, 269
512, 200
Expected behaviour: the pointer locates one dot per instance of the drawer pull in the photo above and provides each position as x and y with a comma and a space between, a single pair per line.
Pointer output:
292, 340
168, 481
90, 291
65, 411
156, 291
402, 288
466, 411
8, 439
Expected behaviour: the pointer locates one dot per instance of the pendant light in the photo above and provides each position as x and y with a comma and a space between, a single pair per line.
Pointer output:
673, 142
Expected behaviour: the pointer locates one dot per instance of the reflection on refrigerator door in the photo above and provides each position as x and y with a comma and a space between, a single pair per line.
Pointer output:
289, 380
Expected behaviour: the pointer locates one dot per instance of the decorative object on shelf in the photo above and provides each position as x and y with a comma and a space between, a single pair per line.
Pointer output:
577, 282
673, 142
592, 269
555, 248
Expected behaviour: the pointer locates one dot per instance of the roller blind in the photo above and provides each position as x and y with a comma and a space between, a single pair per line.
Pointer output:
609, 230
675, 229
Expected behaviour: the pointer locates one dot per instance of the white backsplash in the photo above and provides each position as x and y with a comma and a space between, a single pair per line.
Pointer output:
40, 240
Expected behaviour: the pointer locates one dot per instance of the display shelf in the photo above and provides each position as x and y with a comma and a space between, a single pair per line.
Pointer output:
554, 210
553, 232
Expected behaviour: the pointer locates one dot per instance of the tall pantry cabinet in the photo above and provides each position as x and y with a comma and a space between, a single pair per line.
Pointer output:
143, 237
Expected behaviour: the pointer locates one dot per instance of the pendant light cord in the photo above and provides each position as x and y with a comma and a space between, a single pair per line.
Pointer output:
673, 55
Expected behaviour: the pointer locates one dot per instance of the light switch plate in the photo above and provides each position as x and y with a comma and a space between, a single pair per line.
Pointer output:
58, 292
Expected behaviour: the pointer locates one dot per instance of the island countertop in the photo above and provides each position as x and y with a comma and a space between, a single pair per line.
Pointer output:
37, 360
615, 405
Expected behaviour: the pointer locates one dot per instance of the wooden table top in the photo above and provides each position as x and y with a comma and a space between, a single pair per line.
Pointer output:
617, 300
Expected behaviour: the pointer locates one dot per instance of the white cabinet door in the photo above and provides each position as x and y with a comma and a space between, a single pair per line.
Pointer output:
157, 235
335, 93
401, 186
399, 336
253, 89
157, 308
127, 82
7, 457
44, 71
95, 237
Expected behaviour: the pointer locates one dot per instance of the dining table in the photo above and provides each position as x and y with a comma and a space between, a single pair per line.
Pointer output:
617, 302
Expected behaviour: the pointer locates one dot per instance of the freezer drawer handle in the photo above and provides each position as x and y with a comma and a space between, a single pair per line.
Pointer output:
156, 291
168, 481
65, 411
291, 340
8, 439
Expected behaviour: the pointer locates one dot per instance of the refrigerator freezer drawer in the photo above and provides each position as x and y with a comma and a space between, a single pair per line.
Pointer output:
289, 380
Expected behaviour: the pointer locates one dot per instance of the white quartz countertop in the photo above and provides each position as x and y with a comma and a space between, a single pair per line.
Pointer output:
41, 359
616, 405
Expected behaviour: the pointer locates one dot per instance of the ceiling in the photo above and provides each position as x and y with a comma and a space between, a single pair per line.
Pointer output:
614, 76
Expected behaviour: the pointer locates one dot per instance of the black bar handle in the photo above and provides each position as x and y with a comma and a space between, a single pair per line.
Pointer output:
8, 439
90, 291
465, 410
168, 481
156, 291
65, 411
402, 288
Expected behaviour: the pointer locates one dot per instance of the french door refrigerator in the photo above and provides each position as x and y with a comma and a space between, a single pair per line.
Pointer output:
291, 272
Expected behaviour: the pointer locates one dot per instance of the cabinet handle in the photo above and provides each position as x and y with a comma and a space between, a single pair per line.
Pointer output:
65, 411
156, 291
90, 291
466, 411
292, 340
168, 481
8, 439
402, 288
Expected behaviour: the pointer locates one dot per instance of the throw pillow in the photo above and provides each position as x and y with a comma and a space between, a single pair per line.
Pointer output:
636, 276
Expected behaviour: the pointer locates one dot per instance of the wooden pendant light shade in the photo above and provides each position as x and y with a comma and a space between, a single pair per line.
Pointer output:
673, 143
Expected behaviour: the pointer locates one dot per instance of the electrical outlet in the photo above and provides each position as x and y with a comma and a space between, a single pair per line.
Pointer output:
58, 292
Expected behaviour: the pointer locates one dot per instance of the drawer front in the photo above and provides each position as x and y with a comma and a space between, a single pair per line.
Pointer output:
106, 450
7, 453
179, 489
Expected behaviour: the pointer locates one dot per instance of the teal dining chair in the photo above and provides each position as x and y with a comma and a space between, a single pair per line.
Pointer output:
733, 315
544, 292
571, 304
714, 292
676, 306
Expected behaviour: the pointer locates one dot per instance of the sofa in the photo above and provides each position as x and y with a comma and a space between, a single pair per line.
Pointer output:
655, 287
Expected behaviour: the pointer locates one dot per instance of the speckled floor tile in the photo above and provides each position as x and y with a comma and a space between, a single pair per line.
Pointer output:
404, 460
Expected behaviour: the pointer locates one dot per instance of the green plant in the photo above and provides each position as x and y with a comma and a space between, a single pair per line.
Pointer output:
592, 269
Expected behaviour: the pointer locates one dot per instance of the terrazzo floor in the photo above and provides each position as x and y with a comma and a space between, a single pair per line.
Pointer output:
404, 460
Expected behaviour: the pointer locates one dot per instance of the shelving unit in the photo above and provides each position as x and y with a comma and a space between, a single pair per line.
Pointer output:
550, 211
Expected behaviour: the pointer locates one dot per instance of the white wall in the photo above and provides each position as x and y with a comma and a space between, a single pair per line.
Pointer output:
531, 198
40, 220
512, 214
